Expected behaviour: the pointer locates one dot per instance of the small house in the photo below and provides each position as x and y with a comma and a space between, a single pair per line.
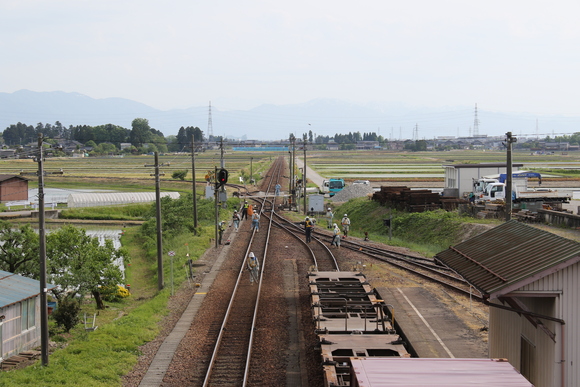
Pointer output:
13, 188
19, 314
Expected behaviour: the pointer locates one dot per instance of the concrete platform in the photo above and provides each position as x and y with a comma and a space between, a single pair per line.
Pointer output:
431, 328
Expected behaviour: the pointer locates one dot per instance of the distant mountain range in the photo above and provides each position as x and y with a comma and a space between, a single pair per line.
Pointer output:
274, 122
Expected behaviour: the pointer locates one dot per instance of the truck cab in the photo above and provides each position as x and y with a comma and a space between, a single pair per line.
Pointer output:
335, 186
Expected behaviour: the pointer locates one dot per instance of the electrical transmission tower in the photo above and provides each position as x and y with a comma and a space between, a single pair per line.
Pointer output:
209, 124
416, 132
476, 124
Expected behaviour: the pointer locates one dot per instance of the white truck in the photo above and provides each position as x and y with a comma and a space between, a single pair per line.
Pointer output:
490, 188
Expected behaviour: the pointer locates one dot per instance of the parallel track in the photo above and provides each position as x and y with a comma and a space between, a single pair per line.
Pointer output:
231, 358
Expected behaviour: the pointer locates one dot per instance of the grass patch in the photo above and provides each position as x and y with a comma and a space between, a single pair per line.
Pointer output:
426, 232
122, 212
102, 357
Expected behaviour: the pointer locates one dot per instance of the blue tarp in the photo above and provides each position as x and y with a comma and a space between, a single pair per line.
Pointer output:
503, 176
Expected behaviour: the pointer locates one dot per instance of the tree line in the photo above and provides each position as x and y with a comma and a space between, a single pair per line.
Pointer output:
138, 136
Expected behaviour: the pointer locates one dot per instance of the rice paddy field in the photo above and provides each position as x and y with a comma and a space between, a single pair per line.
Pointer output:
381, 166
135, 172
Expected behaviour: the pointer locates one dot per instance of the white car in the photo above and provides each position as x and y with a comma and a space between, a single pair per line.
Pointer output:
365, 182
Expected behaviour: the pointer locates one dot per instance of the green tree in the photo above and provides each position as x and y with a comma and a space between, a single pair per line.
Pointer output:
79, 265
19, 250
140, 132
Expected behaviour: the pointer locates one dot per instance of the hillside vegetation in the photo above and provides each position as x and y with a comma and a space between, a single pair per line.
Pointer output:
426, 232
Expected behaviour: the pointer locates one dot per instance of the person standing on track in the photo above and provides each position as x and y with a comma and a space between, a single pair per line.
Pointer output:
254, 268
256, 220
308, 225
345, 225
245, 210
277, 189
329, 216
336, 237
236, 220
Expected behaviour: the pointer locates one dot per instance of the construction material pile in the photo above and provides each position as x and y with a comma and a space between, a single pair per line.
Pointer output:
353, 191
405, 199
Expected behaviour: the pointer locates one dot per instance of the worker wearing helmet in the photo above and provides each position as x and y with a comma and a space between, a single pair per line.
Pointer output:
308, 225
345, 225
253, 267
329, 216
335, 236
245, 210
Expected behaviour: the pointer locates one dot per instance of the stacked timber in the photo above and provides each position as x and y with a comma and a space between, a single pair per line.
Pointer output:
403, 198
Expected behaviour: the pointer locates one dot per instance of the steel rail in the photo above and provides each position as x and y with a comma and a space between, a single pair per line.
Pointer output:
392, 258
226, 320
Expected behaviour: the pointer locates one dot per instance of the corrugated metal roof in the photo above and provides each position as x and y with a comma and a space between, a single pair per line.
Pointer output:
8, 177
402, 372
15, 288
510, 255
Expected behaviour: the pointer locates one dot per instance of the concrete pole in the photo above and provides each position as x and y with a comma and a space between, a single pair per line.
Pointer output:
304, 179
159, 226
193, 178
509, 176
42, 247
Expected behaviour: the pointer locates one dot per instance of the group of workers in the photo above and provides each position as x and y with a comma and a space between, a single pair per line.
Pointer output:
309, 223
249, 212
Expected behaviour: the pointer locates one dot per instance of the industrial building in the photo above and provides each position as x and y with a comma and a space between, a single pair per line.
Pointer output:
459, 177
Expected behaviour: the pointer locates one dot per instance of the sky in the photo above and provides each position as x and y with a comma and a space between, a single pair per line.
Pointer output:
504, 56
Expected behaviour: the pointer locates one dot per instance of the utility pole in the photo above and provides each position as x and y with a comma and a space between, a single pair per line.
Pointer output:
159, 228
508, 185
222, 161
216, 214
158, 219
42, 248
293, 192
251, 171
193, 178
304, 179
290, 170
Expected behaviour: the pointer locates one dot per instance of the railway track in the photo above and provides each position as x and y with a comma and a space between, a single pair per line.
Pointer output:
263, 334
231, 357
426, 268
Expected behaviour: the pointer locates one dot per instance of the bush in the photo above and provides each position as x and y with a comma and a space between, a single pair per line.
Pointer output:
179, 174
67, 313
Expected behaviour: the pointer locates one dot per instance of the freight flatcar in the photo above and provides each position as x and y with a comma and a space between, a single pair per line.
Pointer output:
351, 321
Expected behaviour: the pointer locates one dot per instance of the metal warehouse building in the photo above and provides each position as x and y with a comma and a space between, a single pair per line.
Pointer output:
459, 177
531, 279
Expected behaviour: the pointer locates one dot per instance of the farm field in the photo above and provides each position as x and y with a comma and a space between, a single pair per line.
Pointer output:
380, 167
385, 167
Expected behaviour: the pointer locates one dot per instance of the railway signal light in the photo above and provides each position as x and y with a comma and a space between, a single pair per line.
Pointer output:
222, 177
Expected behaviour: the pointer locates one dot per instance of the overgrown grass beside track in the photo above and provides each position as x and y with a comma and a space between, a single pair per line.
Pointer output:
425, 232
